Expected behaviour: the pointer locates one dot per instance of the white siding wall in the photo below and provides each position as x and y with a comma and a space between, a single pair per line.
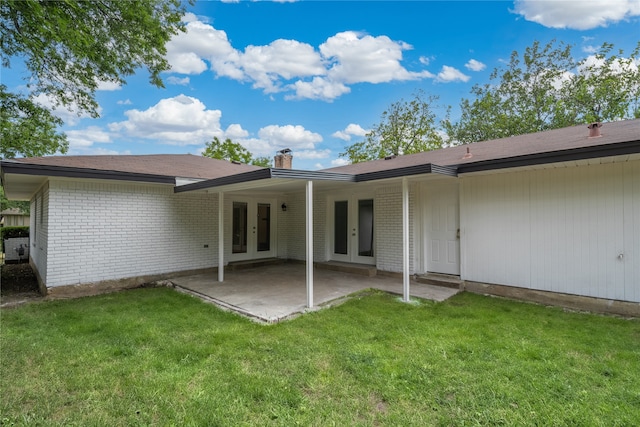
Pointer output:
388, 227
557, 230
112, 230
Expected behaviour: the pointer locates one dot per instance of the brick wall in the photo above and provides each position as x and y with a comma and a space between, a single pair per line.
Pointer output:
293, 227
388, 228
106, 231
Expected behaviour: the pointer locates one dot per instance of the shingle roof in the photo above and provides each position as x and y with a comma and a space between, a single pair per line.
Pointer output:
170, 165
552, 141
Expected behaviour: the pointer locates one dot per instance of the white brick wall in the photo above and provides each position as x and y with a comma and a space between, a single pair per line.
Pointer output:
388, 228
293, 227
103, 230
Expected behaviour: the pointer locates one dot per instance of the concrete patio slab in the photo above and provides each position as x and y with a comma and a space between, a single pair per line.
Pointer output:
276, 292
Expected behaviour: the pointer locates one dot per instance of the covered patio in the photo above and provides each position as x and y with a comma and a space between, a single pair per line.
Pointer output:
276, 292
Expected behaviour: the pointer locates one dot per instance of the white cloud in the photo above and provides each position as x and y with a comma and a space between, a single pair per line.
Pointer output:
235, 131
181, 120
108, 86
318, 88
618, 66
425, 60
351, 129
96, 151
576, 14
71, 114
298, 69
357, 58
289, 136
313, 154
186, 51
450, 74
178, 81
124, 102
340, 162
474, 65
273, 138
83, 138
286, 59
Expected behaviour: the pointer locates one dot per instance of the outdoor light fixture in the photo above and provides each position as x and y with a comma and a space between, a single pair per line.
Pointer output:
284, 207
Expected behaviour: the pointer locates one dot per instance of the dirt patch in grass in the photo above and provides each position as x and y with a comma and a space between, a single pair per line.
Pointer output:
18, 283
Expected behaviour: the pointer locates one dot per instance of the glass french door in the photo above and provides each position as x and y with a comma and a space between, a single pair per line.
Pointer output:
251, 230
353, 237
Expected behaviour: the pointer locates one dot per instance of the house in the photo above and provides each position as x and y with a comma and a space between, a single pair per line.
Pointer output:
552, 216
14, 217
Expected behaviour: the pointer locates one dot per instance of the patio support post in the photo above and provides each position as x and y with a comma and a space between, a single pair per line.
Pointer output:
221, 237
309, 258
405, 239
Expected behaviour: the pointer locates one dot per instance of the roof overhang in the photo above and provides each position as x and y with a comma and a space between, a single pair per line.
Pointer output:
271, 176
22, 180
407, 171
584, 153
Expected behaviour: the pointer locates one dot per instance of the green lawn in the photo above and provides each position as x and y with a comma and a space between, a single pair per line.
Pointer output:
157, 357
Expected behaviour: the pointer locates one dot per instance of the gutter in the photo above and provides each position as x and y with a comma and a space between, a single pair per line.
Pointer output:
13, 167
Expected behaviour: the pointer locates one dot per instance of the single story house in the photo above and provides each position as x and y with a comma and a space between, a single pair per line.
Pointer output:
14, 217
548, 216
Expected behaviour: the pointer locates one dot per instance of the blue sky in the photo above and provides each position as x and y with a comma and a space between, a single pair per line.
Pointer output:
314, 76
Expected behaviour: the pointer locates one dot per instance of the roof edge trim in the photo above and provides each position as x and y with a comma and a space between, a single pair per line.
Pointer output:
407, 171
10, 167
609, 150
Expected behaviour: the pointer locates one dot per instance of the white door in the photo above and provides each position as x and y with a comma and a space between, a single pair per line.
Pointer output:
252, 225
352, 234
442, 231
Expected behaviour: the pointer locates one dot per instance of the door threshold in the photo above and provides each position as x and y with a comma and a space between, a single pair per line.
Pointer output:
252, 263
347, 267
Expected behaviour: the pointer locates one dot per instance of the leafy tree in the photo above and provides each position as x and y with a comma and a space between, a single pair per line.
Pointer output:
27, 129
69, 48
607, 86
524, 97
405, 127
546, 88
233, 151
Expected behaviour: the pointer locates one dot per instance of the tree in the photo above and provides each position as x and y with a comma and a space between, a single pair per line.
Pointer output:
27, 129
69, 48
405, 127
233, 151
547, 89
607, 86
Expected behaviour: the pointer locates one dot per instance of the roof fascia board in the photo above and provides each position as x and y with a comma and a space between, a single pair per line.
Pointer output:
407, 171
262, 174
225, 180
620, 148
9, 167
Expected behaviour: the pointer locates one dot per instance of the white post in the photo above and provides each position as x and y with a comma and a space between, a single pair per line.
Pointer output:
221, 237
405, 240
309, 225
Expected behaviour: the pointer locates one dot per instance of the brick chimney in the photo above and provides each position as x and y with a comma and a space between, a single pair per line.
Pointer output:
283, 159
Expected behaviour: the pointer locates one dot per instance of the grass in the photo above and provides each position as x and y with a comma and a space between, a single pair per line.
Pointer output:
156, 357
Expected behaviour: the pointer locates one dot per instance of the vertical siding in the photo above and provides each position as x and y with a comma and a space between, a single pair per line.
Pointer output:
632, 231
38, 226
107, 231
557, 230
